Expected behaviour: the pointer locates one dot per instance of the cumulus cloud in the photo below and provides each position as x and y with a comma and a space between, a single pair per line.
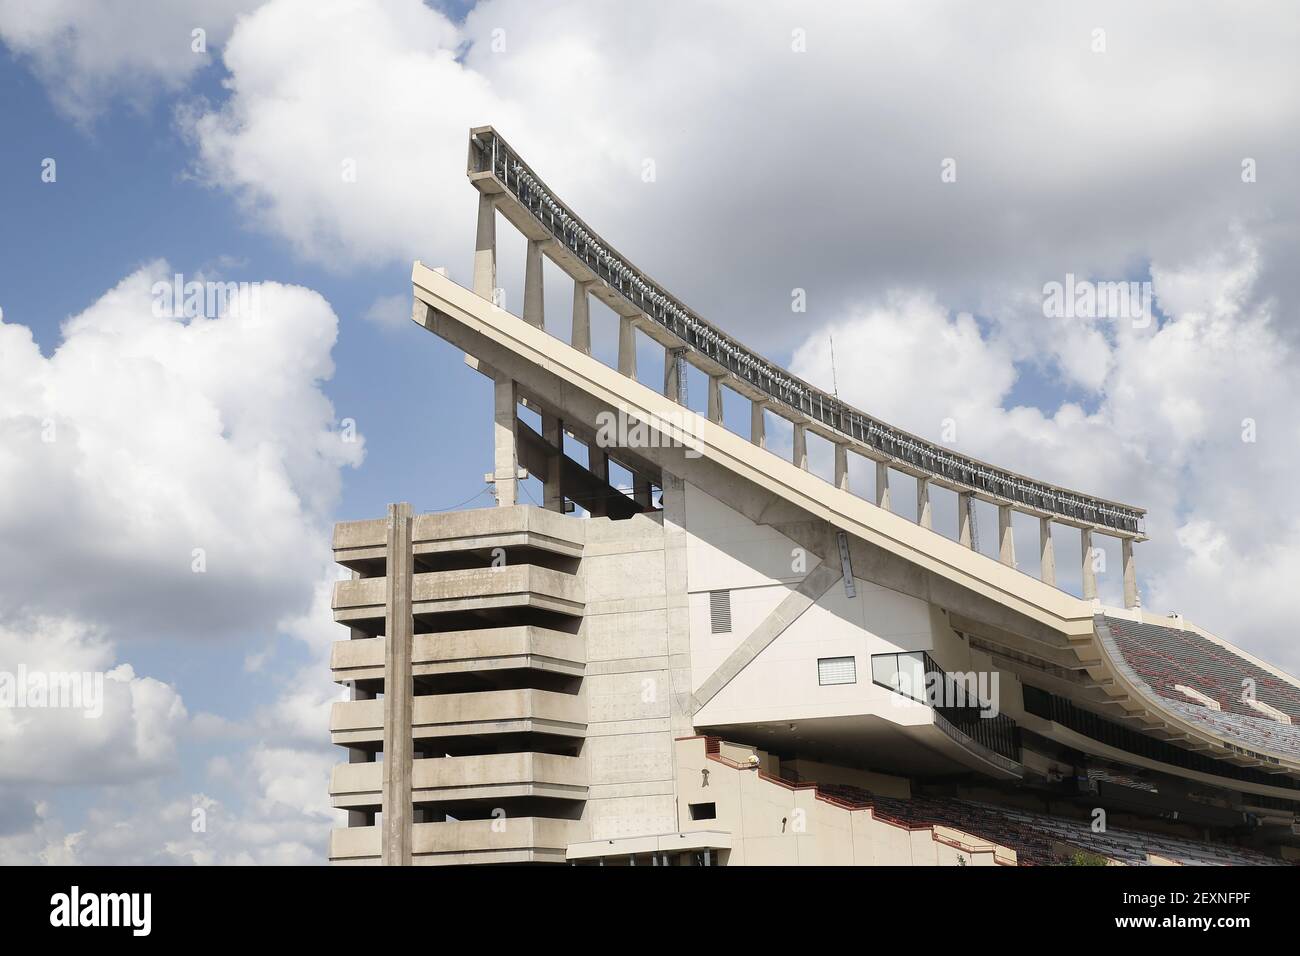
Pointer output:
117, 726
170, 475
778, 168
88, 52
1174, 409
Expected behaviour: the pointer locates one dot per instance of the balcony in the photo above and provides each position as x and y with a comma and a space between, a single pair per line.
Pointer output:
474, 589
508, 840
492, 776
363, 543
455, 652
994, 737
446, 715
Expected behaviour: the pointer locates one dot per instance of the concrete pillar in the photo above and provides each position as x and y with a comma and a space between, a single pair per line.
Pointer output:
598, 465
534, 299
841, 466
1089, 575
800, 446
1046, 552
398, 690
1006, 537
581, 337
965, 515
552, 491
924, 517
485, 248
627, 346
672, 376
506, 465
882, 485
715, 398
641, 490
1131, 597
757, 424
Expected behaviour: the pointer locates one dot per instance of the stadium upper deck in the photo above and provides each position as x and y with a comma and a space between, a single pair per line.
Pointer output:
570, 673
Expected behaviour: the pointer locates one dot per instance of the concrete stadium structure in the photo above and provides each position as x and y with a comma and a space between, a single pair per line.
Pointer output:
735, 661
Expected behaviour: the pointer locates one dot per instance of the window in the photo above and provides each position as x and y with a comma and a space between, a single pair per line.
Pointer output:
704, 811
837, 670
720, 612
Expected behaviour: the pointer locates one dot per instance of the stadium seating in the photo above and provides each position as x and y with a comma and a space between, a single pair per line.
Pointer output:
1044, 840
1165, 656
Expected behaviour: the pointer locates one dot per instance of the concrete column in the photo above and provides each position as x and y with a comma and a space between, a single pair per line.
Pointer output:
485, 248
506, 467
1131, 597
1089, 575
965, 514
641, 490
398, 690
800, 446
1006, 538
882, 485
715, 398
534, 300
627, 346
552, 492
672, 376
841, 466
581, 337
757, 424
1046, 552
598, 465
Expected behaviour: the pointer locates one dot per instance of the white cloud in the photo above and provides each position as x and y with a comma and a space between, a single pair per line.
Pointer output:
389, 311
1166, 432
123, 727
88, 52
143, 438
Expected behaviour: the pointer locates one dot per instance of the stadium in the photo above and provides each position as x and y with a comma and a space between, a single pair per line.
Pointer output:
693, 650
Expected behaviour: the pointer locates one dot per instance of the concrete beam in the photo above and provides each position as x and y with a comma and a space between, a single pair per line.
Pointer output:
552, 490
1006, 537
641, 490
598, 465
800, 446
882, 485
627, 346
924, 517
1131, 597
1089, 574
505, 470
820, 580
1046, 552
485, 248
672, 376
581, 336
965, 506
757, 424
715, 399
534, 299
399, 689
841, 466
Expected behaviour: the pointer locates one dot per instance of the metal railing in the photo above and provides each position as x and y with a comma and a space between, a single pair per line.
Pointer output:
489, 153
914, 674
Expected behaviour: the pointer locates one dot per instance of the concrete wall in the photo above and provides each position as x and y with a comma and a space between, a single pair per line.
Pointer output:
628, 686
776, 824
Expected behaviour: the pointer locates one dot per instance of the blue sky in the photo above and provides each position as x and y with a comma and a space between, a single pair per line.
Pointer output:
776, 169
